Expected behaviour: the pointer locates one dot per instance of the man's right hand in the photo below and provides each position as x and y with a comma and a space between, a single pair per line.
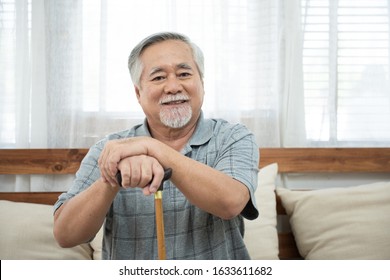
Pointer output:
141, 171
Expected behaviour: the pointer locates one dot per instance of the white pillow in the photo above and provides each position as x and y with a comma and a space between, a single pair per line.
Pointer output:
97, 244
261, 236
340, 223
26, 232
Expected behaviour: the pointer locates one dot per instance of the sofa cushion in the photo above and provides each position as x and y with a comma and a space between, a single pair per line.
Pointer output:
26, 232
340, 223
261, 237
97, 244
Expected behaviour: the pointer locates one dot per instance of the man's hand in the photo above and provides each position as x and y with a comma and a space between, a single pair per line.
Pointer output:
116, 150
206, 187
141, 171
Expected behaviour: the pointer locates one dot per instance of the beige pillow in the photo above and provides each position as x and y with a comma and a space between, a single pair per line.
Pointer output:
26, 232
340, 223
261, 236
97, 244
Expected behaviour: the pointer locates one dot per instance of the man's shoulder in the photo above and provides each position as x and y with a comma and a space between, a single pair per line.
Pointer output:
222, 132
224, 126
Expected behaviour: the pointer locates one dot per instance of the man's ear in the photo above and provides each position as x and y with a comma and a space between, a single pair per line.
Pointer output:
137, 92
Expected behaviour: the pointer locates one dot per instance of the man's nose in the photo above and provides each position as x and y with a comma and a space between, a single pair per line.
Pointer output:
173, 85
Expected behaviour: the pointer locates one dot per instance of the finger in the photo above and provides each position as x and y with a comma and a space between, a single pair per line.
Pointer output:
132, 172
158, 175
110, 166
146, 173
100, 164
135, 176
104, 175
110, 178
146, 191
103, 160
124, 167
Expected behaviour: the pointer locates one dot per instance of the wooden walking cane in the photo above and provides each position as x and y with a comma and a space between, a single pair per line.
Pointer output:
159, 213
160, 216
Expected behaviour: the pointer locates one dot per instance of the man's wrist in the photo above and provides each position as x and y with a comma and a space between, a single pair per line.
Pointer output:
109, 187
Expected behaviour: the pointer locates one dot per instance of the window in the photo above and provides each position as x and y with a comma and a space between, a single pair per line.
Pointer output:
346, 70
69, 85
64, 80
15, 26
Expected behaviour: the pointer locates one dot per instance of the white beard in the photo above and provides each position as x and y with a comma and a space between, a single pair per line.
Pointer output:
178, 116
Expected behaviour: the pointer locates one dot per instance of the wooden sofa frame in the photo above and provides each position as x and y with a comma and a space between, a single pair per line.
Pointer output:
290, 160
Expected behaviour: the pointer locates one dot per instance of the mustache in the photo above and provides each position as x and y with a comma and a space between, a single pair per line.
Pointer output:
174, 98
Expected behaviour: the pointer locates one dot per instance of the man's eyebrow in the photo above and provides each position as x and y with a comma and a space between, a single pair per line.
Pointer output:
184, 66
155, 70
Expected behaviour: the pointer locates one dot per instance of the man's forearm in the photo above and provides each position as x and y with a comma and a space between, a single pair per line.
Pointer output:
207, 188
80, 218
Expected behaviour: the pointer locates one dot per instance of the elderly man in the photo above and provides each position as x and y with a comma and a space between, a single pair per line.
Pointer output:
214, 167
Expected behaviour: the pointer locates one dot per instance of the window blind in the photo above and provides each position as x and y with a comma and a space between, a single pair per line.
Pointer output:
346, 70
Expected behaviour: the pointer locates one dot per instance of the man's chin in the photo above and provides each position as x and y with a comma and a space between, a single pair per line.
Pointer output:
177, 118
176, 123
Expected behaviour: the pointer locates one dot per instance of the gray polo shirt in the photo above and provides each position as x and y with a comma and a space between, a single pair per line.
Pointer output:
190, 232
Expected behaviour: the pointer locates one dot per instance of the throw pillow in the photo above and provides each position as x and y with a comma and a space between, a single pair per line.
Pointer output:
261, 237
27, 233
340, 223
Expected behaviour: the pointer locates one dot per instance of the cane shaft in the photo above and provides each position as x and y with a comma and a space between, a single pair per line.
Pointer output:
160, 226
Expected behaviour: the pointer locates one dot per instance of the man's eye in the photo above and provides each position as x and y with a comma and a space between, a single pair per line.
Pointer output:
158, 78
184, 74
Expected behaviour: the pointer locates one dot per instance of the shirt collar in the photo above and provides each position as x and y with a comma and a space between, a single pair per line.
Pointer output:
143, 130
203, 131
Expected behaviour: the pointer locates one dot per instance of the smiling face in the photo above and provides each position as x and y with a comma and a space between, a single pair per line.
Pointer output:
171, 89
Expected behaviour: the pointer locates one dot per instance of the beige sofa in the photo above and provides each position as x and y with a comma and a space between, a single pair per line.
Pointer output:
338, 223
27, 233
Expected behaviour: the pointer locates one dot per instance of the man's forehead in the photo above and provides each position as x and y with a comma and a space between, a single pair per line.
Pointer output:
167, 55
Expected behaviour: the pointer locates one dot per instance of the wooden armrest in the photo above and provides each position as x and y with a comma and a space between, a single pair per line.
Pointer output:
48, 198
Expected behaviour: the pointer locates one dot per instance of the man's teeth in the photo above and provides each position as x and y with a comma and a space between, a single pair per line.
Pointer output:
175, 102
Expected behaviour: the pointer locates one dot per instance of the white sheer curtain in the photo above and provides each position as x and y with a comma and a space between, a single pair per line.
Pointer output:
70, 84
291, 102
64, 80
297, 72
